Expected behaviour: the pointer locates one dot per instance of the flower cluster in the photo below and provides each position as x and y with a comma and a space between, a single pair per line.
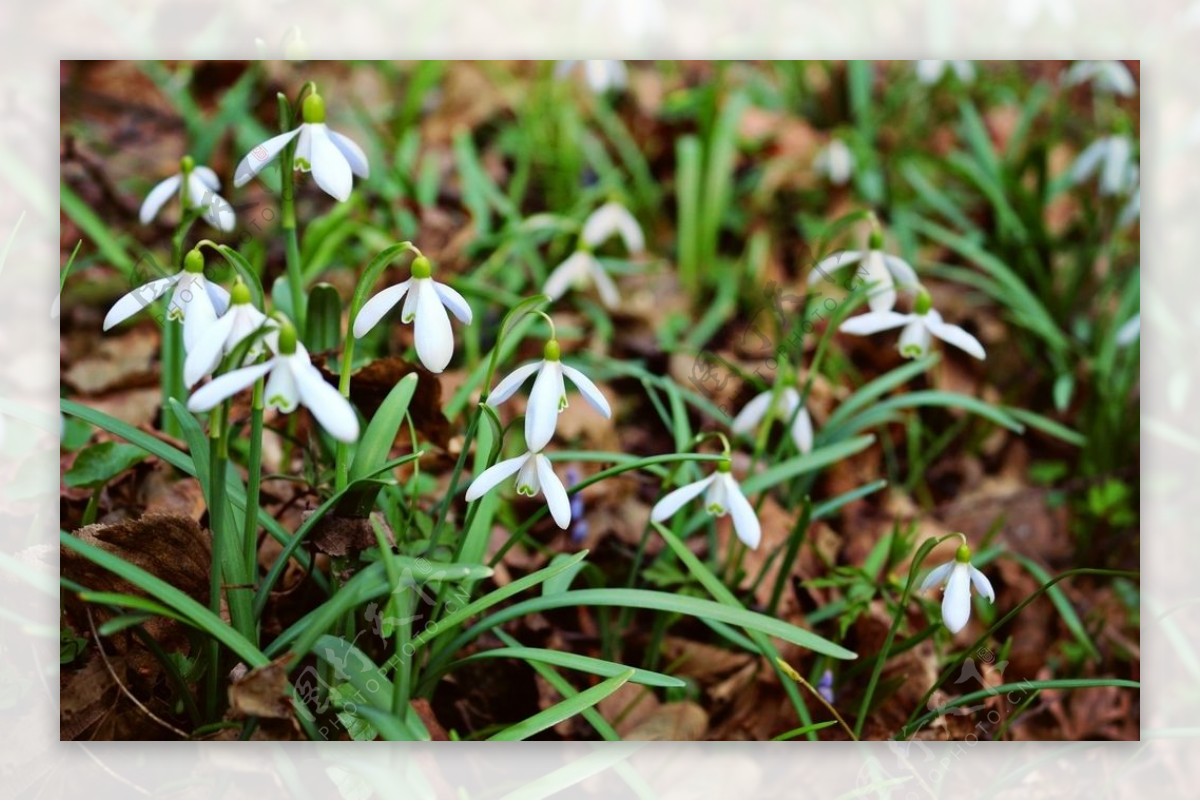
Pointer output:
582, 267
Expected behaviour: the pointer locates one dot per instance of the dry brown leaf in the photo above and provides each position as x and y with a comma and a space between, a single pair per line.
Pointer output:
674, 722
262, 692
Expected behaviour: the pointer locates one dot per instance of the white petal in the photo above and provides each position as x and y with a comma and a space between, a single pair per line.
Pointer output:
1088, 160
133, 302
572, 272
556, 494
745, 522
751, 414
453, 301
511, 383
905, 275
956, 602
716, 500
216, 210
954, 335
882, 294
202, 359
227, 385
914, 339
937, 575
281, 391
1130, 331
207, 177
831, 264
588, 390
353, 153
1116, 165
330, 168
965, 70
219, 296
982, 585
159, 195
541, 415
528, 482
802, 431
199, 313
494, 475
432, 334
333, 412
302, 156
260, 156
609, 295
929, 70
673, 501
613, 218
374, 309
874, 322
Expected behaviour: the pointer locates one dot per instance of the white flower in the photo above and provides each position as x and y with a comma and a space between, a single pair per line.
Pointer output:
534, 475
201, 186
223, 336
1112, 77
1129, 332
956, 601
425, 304
723, 496
930, 71
293, 381
882, 270
196, 301
787, 405
581, 266
331, 157
1113, 157
835, 162
600, 75
549, 395
919, 327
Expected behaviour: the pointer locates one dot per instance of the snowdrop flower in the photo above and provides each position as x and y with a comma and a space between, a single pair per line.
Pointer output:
930, 71
722, 496
196, 301
611, 219
599, 75
835, 162
425, 304
958, 576
549, 395
200, 192
331, 157
534, 475
787, 405
883, 270
222, 337
1112, 156
919, 327
1112, 77
293, 381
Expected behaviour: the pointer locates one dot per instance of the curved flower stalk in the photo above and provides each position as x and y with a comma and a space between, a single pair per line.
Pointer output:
722, 496
582, 267
601, 76
548, 397
223, 336
293, 381
787, 407
200, 186
958, 576
919, 327
196, 300
882, 270
930, 70
1110, 77
835, 162
1112, 156
534, 475
425, 304
331, 157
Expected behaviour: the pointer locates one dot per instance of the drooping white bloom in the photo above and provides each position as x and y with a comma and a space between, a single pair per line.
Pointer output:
722, 496
1112, 156
786, 408
425, 304
600, 75
223, 336
582, 267
331, 157
1112, 77
200, 186
882, 271
549, 395
919, 327
958, 576
293, 381
1130, 331
196, 301
835, 162
534, 475
930, 70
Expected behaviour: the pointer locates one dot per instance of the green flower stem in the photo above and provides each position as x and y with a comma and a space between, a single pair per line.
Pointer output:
172, 331
216, 477
295, 276
341, 474
254, 478
402, 686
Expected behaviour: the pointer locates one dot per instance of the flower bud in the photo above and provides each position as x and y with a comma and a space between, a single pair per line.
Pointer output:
313, 109
193, 262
